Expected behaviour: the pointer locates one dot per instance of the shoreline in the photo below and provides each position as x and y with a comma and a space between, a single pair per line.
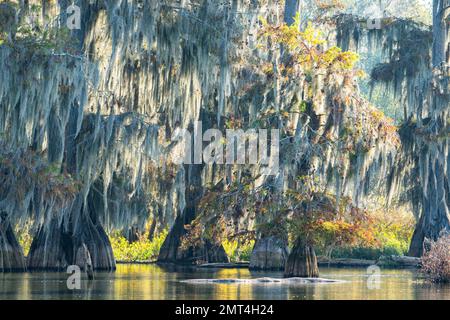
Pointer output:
388, 262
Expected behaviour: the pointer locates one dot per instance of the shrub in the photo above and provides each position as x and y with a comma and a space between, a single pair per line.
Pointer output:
388, 233
24, 236
366, 253
141, 250
238, 252
436, 260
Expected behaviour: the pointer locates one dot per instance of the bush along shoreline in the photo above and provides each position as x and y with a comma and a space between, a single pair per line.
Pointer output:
435, 263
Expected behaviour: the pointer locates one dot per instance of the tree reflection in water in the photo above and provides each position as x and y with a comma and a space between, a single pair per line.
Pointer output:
154, 282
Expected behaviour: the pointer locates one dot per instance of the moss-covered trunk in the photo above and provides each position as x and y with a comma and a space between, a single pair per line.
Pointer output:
434, 159
435, 218
172, 249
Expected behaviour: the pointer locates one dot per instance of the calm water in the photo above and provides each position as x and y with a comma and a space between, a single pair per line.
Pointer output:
156, 282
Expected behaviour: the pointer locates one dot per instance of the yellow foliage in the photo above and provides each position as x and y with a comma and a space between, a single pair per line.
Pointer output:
236, 251
141, 250
308, 47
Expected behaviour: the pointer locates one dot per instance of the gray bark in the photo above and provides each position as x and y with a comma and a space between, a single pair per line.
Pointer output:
441, 11
270, 253
11, 254
290, 10
8, 20
435, 217
55, 247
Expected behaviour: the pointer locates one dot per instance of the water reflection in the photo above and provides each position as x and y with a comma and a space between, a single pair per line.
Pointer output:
148, 282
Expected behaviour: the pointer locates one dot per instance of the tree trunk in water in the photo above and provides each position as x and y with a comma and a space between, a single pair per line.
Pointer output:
88, 246
11, 253
206, 253
171, 250
171, 246
435, 217
269, 253
302, 261
80, 240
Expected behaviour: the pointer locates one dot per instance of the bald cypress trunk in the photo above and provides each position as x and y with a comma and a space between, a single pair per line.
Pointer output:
80, 239
302, 261
171, 250
435, 217
55, 248
11, 254
206, 252
441, 49
269, 253
435, 155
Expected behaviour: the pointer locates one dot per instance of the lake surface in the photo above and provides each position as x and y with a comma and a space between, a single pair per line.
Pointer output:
150, 282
